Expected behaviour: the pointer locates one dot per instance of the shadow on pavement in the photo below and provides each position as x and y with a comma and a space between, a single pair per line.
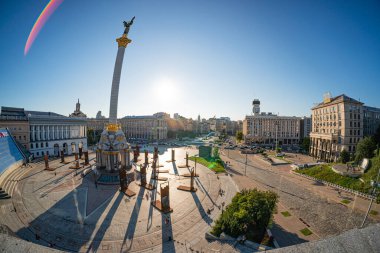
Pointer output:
202, 211
128, 237
285, 238
167, 233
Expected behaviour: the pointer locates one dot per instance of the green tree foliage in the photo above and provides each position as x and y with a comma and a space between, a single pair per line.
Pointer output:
249, 213
90, 137
306, 144
215, 152
365, 149
239, 136
344, 156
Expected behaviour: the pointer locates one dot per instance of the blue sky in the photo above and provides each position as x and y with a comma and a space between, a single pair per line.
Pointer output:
191, 57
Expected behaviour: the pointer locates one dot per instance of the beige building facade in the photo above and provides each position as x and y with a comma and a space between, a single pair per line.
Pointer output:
337, 125
144, 127
17, 123
271, 129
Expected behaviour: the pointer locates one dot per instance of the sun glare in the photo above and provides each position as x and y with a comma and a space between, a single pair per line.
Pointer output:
166, 89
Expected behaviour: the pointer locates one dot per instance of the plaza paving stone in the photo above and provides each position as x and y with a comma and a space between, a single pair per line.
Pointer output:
69, 211
312, 205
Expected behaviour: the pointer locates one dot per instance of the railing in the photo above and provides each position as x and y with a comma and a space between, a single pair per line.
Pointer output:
363, 195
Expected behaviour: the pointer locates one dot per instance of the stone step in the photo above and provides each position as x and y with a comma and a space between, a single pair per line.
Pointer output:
5, 196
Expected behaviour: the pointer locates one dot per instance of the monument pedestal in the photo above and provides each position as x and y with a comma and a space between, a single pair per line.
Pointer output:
189, 175
190, 188
128, 192
157, 204
186, 188
164, 204
76, 165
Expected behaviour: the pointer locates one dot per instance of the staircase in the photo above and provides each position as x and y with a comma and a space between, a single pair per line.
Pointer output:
3, 194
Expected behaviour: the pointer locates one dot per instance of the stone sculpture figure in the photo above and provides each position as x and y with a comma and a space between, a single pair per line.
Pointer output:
127, 25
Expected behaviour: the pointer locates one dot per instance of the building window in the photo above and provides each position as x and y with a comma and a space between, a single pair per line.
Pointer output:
42, 145
47, 145
42, 153
31, 145
36, 145
349, 148
38, 154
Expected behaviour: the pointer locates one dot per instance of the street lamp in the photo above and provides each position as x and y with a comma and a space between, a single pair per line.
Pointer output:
245, 167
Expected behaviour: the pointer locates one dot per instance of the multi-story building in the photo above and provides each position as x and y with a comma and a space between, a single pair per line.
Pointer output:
52, 132
17, 123
268, 128
305, 127
337, 125
144, 127
223, 125
135, 127
371, 121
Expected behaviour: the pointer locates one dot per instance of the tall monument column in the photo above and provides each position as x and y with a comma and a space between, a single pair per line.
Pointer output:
113, 153
122, 42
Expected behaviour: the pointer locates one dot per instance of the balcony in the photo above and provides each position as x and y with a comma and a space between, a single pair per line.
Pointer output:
324, 136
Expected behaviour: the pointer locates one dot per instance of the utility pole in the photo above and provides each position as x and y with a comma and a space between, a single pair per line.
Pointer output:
375, 185
276, 124
245, 167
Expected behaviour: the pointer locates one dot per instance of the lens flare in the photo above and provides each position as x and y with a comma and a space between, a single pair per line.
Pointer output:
44, 16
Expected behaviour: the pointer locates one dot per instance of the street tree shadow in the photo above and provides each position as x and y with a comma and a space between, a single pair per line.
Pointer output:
285, 238
201, 210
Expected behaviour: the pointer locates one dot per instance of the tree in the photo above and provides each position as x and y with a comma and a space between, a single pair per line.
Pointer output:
306, 144
215, 152
249, 212
239, 136
344, 156
365, 149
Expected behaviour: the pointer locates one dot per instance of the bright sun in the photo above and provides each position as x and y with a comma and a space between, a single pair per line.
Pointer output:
166, 89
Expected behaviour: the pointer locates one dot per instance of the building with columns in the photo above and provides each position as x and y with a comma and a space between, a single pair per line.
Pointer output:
52, 132
337, 124
144, 127
149, 127
340, 123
